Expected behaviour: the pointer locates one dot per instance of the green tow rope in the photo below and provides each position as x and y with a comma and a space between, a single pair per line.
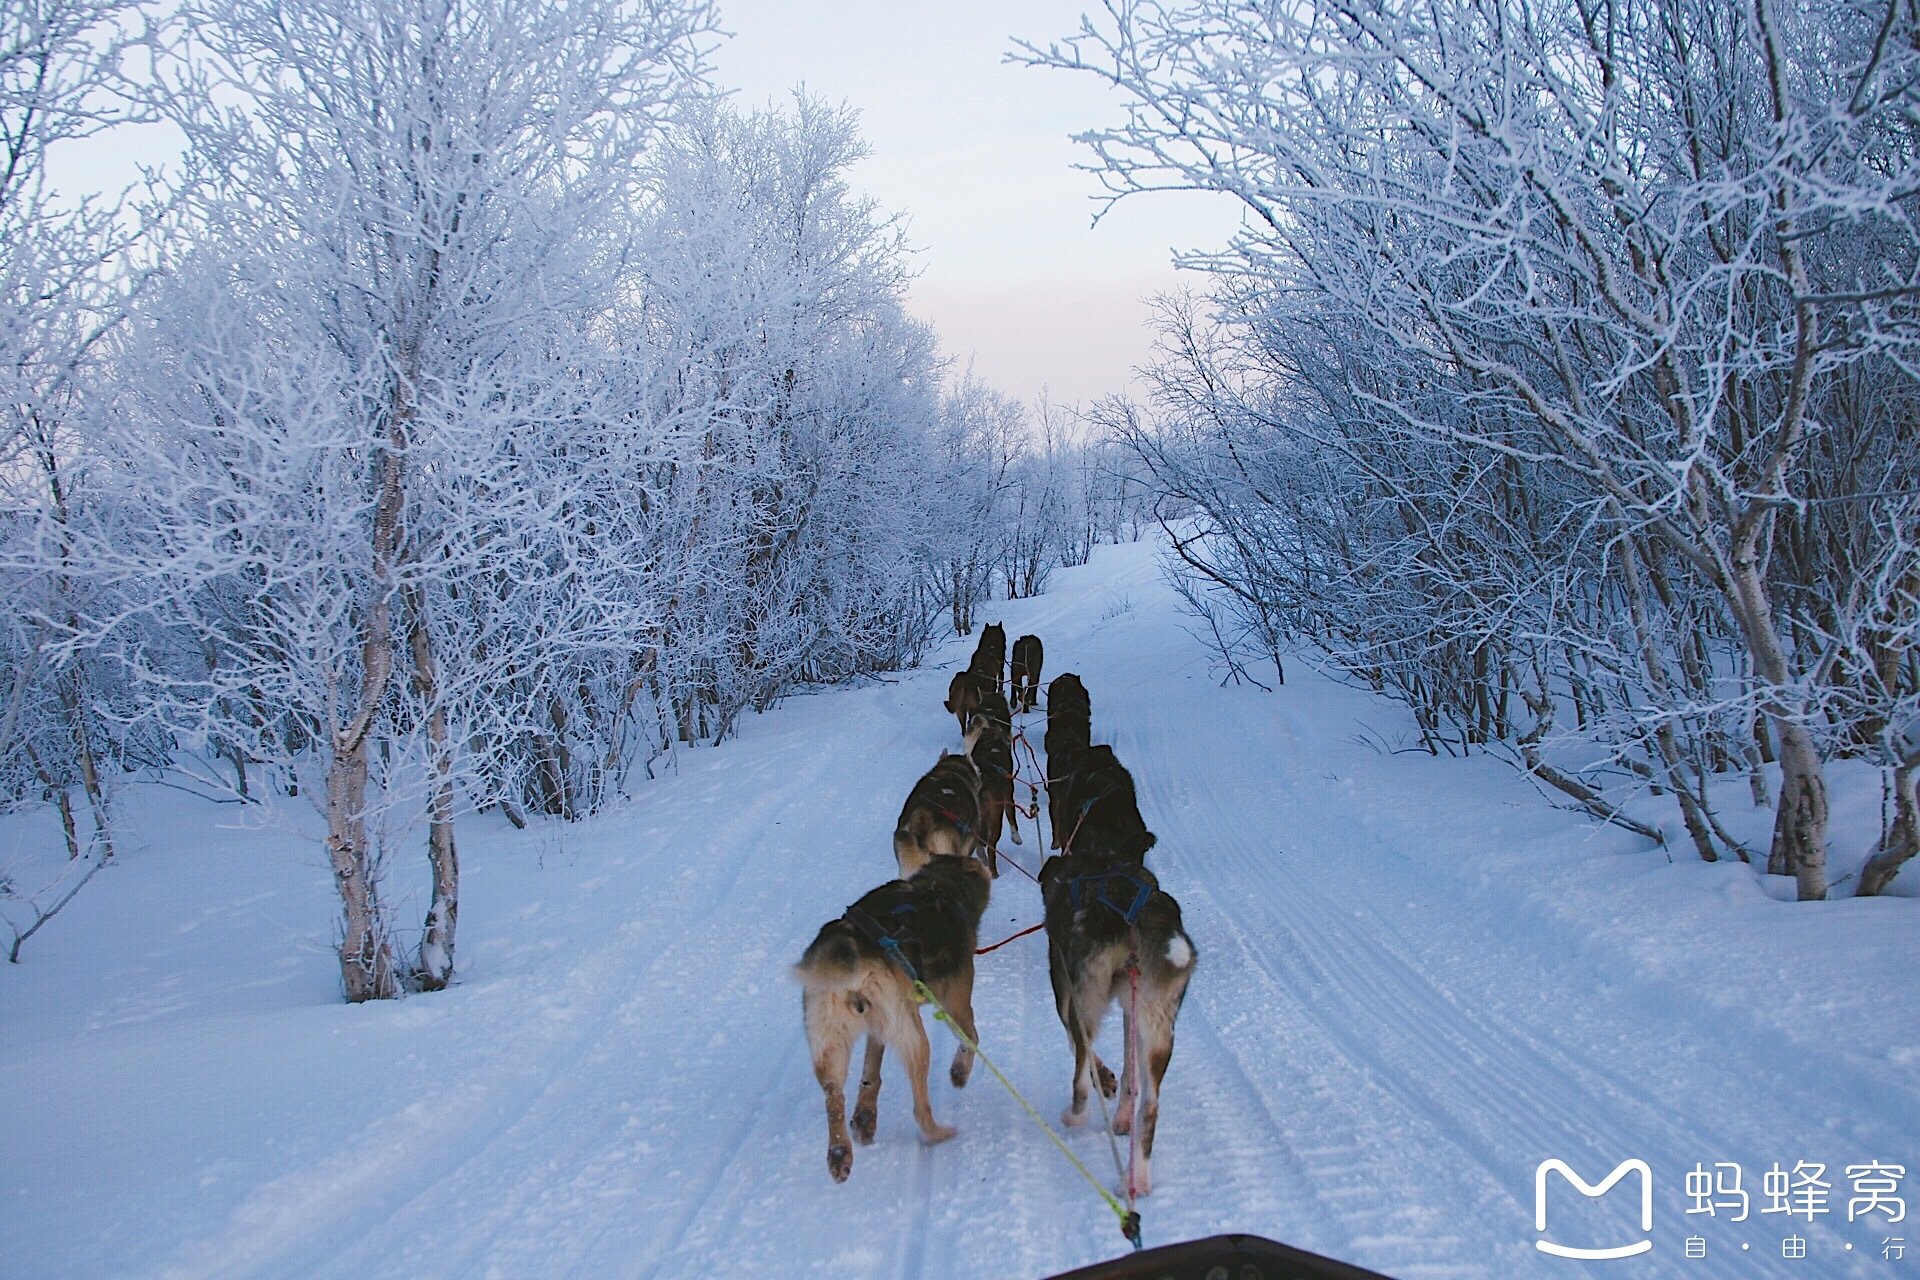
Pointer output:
1129, 1220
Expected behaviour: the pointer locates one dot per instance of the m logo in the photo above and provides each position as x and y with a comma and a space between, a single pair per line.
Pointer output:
1591, 1191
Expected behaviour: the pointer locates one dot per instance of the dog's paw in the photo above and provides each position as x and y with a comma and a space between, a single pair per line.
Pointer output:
1123, 1121
1108, 1085
961, 1072
1072, 1118
937, 1134
839, 1162
865, 1121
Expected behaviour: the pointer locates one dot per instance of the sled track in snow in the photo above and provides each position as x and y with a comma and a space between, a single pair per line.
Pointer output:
1378, 1048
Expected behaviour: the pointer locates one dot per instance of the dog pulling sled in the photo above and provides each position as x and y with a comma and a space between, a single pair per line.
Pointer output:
912, 942
1235, 1257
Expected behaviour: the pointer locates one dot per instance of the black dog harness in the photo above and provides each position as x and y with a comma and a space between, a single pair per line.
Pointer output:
876, 934
1131, 912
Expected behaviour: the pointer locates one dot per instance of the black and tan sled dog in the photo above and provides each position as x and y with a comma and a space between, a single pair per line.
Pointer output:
855, 982
990, 745
1098, 812
941, 817
964, 693
1069, 732
1023, 672
990, 655
1105, 918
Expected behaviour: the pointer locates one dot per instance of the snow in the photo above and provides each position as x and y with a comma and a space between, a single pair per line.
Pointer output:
1417, 982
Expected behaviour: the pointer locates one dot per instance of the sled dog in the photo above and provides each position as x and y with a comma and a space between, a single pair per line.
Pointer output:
941, 817
990, 655
1101, 814
1068, 696
1023, 673
992, 754
853, 983
1105, 919
963, 695
1069, 732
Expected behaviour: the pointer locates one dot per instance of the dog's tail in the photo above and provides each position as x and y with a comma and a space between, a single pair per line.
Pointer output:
832, 961
906, 846
1160, 922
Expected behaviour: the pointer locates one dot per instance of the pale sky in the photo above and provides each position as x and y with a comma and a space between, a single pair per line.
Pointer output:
976, 153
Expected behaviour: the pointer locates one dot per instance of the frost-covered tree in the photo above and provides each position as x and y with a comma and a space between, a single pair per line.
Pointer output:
64, 282
798, 397
1608, 267
347, 414
980, 436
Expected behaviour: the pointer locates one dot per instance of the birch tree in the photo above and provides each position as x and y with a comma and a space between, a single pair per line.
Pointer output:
406, 219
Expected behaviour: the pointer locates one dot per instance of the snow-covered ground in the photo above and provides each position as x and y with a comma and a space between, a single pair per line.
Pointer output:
1417, 983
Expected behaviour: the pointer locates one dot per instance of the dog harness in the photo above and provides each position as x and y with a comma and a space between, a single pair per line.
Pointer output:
868, 925
1131, 912
1112, 788
954, 818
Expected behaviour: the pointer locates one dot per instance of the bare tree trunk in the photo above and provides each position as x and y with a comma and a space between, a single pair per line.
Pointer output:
1900, 841
72, 684
1800, 821
73, 693
67, 824
436, 942
1587, 798
367, 969
1656, 668
366, 960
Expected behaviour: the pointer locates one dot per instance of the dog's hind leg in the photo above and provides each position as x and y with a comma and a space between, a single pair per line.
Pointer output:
1156, 1051
1123, 1113
830, 1035
1083, 1027
1063, 1005
988, 836
909, 1039
1058, 803
958, 999
866, 1106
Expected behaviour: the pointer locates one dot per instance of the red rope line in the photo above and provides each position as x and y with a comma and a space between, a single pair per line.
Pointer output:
1004, 941
1033, 789
1066, 846
1017, 867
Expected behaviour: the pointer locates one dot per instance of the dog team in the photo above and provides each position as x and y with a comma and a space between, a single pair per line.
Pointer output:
1112, 934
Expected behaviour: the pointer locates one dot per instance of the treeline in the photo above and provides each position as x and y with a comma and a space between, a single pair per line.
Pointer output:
479, 409
1561, 382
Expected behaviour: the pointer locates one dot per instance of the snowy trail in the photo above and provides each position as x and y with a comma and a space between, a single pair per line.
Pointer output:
1416, 983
